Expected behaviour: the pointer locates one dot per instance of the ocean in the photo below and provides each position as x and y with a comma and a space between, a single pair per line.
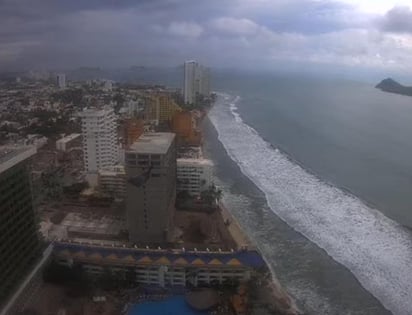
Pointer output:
319, 174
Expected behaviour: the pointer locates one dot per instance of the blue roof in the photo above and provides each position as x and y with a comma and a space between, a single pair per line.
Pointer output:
249, 258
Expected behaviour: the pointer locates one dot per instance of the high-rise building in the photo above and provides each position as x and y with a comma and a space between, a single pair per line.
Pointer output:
19, 241
61, 80
190, 81
161, 108
204, 81
196, 81
100, 147
151, 188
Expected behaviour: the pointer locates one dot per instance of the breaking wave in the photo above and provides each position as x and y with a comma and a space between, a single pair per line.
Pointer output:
377, 250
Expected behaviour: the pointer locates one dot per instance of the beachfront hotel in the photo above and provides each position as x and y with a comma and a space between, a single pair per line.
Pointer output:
196, 81
194, 175
163, 268
151, 188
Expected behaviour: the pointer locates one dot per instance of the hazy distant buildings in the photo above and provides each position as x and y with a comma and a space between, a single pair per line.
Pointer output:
134, 108
108, 85
19, 241
204, 81
100, 147
151, 187
61, 80
196, 81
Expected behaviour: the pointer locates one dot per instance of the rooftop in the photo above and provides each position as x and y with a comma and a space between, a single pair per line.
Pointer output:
194, 161
10, 156
95, 112
69, 137
153, 143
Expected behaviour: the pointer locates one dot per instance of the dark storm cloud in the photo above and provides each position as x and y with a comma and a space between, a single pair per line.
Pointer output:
398, 20
254, 33
309, 17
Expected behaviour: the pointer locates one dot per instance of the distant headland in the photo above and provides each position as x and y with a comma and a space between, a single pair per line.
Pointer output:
391, 86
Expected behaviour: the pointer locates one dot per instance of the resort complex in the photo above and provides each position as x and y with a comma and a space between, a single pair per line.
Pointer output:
121, 208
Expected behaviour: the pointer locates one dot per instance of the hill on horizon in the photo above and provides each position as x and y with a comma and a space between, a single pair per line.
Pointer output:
392, 86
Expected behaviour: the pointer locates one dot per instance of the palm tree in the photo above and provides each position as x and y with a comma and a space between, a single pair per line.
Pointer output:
212, 195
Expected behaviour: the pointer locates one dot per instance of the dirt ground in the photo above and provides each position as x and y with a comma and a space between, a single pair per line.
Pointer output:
53, 299
204, 230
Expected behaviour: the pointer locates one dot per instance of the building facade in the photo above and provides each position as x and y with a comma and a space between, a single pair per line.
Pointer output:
184, 126
196, 81
61, 80
70, 142
162, 268
112, 181
193, 175
133, 128
190, 87
151, 187
100, 147
160, 108
19, 241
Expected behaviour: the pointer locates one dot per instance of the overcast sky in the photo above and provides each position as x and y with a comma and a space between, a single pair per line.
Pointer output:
223, 33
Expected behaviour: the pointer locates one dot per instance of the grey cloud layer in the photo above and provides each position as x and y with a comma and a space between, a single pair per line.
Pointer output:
246, 33
398, 20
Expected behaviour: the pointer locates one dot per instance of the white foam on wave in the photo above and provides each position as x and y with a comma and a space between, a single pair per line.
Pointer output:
376, 249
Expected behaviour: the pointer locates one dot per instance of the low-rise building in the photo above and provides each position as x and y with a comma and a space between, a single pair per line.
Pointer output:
193, 175
113, 181
69, 142
163, 268
184, 125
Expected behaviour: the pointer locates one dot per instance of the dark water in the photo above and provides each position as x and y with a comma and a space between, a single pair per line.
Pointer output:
349, 135
318, 283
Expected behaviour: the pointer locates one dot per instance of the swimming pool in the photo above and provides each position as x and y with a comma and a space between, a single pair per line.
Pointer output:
173, 305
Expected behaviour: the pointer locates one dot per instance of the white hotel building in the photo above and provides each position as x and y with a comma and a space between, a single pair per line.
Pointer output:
100, 147
193, 175
196, 81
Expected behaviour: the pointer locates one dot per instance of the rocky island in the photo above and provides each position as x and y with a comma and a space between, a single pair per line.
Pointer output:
391, 86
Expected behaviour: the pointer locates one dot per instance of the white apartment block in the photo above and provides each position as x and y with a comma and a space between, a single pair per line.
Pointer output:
100, 147
196, 81
193, 175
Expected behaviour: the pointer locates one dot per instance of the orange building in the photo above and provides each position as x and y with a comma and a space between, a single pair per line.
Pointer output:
183, 124
133, 129
161, 107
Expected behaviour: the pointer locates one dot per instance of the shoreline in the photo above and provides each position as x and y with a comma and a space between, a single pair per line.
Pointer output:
346, 190
278, 300
312, 290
